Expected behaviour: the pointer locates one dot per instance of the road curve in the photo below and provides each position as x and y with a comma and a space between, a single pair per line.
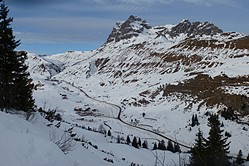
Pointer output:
119, 116
125, 123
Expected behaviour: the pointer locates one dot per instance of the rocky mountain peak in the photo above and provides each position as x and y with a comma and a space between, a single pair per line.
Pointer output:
134, 26
185, 22
194, 28
133, 18
127, 29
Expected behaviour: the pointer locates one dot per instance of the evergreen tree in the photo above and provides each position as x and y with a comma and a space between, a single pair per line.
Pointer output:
161, 145
196, 120
170, 146
145, 144
118, 139
128, 141
239, 160
247, 158
139, 142
134, 143
177, 148
15, 84
198, 151
155, 146
109, 133
143, 114
216, 146
193, 121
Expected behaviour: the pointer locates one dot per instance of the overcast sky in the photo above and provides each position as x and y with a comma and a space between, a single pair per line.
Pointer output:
55, 26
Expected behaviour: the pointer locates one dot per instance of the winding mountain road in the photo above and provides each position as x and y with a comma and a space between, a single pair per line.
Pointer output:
122, 121
186, 146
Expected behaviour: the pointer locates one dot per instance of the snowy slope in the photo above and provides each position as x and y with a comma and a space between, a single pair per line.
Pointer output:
28, 143
23, 143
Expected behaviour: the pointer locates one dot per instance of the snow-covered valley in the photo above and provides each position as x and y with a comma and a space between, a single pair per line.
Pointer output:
144, 82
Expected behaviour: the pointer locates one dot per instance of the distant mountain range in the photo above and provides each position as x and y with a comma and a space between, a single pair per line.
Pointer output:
138, 55
189, 68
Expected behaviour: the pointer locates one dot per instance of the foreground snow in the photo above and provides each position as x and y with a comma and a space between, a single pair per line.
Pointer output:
27, 143
24, 144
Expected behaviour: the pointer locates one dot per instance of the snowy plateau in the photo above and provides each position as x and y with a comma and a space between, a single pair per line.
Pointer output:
144, 82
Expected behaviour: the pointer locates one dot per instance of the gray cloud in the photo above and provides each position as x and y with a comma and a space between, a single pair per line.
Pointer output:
159, 2
76, 21
65, 29
104, 3
230, 3
34, 2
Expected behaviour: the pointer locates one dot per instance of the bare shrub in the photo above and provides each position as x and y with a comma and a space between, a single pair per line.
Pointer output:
102, 129
65, 142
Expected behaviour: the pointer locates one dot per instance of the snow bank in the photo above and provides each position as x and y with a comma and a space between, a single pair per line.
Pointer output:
21, 144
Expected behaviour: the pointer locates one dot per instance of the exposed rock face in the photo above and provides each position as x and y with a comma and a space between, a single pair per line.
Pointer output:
126, 30
188, 47
134, 25
194, 28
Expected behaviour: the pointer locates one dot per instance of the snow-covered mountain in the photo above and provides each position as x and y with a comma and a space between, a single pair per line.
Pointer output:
138, 58
148, 82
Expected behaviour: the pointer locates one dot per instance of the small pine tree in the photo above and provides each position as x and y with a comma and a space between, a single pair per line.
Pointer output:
216, 146
193, 121
170, 146
145, 144
155, 146
196, 120
109, 133
247, 158
239, 159
143, 114
177, 148
118, 139
128, 141
139, 142
15, 84
134, 143
198, 151
161, 145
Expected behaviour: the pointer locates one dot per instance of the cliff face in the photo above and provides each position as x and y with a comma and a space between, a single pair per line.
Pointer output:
128, 29
134, 26
195, 28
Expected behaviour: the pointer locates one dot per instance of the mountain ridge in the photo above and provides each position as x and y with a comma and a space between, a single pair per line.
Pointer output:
144, 69
124, 58
135, 25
